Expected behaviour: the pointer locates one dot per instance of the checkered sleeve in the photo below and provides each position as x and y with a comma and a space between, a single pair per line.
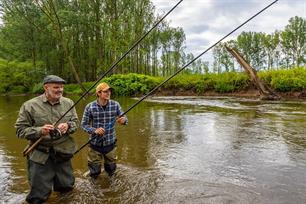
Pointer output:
86, 120
120, 112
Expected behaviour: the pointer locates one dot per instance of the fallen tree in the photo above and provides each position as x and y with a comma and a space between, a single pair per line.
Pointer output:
266, 93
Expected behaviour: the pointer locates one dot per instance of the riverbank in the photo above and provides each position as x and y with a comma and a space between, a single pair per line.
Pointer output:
289, 84
245, 93
250, 92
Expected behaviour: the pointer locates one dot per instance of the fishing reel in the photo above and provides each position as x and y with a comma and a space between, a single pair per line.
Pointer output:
55, 134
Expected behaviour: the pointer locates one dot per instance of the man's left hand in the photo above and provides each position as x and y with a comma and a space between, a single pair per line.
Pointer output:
121, 120
63, 127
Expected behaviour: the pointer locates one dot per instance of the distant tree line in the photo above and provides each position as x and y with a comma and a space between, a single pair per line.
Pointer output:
281, 49
81, 39
85, 37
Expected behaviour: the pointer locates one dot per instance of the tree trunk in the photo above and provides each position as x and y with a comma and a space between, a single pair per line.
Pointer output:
266, 92
63, 42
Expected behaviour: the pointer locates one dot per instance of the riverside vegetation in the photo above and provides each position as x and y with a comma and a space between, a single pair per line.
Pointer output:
282, 81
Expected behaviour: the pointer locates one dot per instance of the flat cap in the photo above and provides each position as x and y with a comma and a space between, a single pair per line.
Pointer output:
53, 79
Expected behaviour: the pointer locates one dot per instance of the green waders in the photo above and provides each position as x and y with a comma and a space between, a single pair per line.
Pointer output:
44, 177
95, 160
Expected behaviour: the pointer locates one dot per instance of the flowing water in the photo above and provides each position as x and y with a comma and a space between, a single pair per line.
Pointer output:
181, 150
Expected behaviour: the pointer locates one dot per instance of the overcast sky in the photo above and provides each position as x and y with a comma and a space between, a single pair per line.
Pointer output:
206, 21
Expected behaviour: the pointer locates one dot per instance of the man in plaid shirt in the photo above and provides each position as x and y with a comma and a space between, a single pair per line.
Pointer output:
98, 120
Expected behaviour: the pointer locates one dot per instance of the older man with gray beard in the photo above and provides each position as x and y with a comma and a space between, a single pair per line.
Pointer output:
49, 164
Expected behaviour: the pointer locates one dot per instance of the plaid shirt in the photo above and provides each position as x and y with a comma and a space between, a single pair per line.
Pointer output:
95, 116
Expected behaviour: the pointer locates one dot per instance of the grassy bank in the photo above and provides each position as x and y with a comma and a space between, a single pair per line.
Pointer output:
283, 81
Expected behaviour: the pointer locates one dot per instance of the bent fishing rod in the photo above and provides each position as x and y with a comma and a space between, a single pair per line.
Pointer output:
30, 148
181, 69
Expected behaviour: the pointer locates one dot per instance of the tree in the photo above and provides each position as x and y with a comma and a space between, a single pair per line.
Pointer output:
251, 45
272, 45
223, 58
293, 41
178, 40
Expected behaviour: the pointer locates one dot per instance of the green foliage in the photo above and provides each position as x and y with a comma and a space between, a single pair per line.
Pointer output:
251, 44
14, 75
263, 51
190, 82
293, 40
182, 82
223, 83
138, 84
18, 90
132, 84
73, 89
123, 85
230, 82
38, 88
285, 80
206, 84
88, 36
288, 84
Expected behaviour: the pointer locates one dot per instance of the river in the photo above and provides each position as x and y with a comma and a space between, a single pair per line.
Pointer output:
181, 150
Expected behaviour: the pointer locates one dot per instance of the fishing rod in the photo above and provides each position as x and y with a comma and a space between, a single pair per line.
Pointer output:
30, 148
181, 69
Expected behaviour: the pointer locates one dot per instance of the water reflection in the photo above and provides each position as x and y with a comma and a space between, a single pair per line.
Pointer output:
182, 149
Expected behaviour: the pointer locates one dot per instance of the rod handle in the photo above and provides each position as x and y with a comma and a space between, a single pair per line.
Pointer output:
28, 150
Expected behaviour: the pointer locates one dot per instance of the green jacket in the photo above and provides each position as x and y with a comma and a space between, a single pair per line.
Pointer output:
37, 112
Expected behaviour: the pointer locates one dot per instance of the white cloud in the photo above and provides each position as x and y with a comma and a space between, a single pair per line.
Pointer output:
206, 21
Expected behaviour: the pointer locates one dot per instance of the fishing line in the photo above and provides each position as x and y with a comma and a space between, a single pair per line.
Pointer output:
30, 148
181, 69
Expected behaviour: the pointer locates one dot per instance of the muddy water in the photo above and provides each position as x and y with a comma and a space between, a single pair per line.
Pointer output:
182, 150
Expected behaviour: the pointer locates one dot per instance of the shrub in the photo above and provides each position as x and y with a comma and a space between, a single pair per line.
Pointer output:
286, 80
19, 89
230, 82
284, 84
73, 89
37, 88
131, 84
